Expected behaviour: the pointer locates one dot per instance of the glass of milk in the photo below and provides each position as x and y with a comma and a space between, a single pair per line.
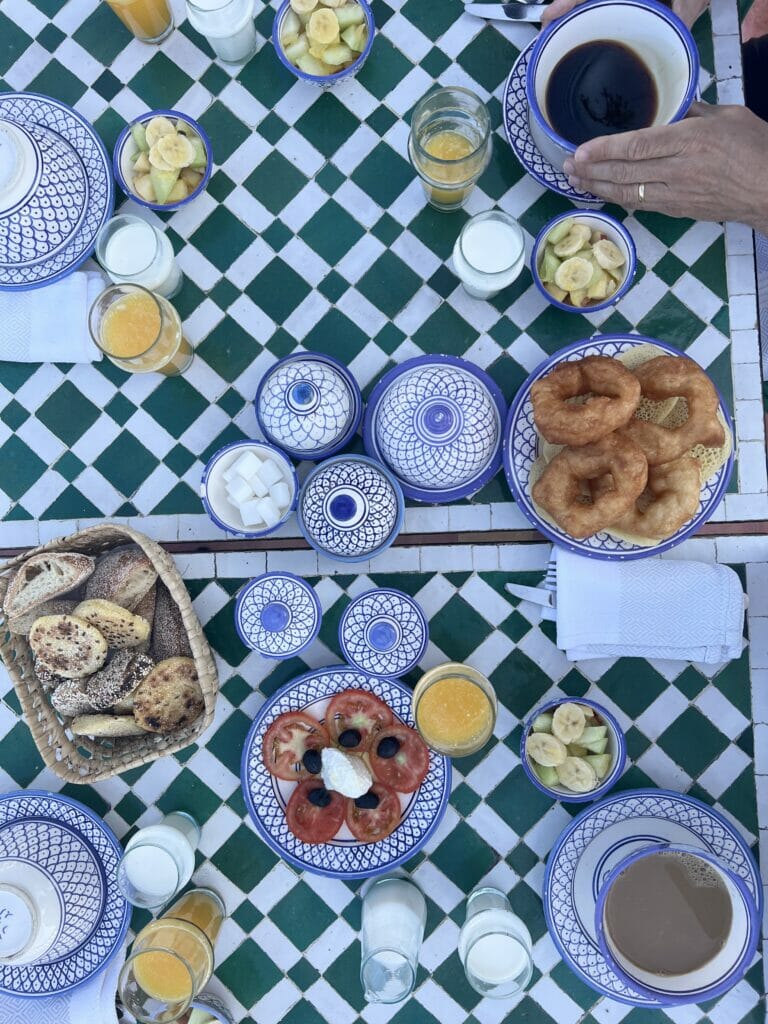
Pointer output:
495, 946
394, 916
489, 253
135, 252
227, 25
159, 861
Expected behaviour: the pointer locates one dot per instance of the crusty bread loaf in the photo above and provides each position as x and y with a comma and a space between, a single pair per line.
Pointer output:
169, 697
48, 680
146, 610
21, 624
123, 575
106, 725
169, 635
68, 645
70, 700
119, 627
43, 577
119, 677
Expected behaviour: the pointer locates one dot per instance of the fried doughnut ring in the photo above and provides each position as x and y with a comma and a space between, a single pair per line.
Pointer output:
669, 377
559, 488
614, 395
670, 499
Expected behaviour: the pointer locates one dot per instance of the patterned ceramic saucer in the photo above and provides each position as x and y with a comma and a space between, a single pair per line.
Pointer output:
277, 614
383, 632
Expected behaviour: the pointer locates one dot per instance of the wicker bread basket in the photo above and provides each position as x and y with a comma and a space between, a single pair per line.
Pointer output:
81, 759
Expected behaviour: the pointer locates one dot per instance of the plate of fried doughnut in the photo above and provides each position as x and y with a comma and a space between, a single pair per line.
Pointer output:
618, 447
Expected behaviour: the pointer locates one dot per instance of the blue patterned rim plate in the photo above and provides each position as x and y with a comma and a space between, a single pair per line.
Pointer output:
324, 81
266, 796
309, 405
617, 747
521, 447
383, 632
604, 834
277, 614
436, 423
80, 854
55, 228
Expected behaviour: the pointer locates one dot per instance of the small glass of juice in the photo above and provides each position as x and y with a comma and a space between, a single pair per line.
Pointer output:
455, 709
139, 330
149, 20
450, 144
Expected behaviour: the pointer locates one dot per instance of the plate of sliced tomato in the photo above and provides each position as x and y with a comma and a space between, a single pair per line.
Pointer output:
318, 829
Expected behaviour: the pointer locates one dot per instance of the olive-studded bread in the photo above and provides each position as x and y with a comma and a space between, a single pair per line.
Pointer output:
68, 645
123, 575
169, 697
21, 624
43, 577
169, 635
106, 726
118, 626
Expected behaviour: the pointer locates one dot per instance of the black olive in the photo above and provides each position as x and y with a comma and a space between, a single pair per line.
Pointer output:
388, 747
349, 738
312, 761
320, 797
367, 802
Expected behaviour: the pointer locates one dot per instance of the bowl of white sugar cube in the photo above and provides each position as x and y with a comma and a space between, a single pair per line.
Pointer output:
249, 488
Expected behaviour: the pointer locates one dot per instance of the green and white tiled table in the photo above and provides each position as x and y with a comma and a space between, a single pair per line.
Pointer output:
314, 232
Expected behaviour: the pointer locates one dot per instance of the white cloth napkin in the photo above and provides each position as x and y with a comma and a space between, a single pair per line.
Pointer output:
50, 325
680, 611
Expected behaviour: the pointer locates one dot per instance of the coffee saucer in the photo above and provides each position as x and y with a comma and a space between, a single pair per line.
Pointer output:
515, 114
594, 843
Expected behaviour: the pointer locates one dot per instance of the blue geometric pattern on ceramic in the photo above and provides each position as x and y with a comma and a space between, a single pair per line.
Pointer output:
604, 834
518, 132
521, 449
80, 854
309, 405
350, 508
277, 614
59, 224
383, 632
267, 796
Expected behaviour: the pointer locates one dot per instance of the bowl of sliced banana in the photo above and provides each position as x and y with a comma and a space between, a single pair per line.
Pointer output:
583, 262
163, 160
572, 750
323, 42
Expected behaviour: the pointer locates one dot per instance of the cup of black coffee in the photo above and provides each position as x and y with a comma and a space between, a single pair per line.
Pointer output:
676, 924
608, 66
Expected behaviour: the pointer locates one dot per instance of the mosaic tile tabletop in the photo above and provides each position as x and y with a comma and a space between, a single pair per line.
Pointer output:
289, 951
315, 233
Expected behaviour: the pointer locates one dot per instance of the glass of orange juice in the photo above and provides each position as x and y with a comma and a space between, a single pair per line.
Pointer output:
139, 330
455, 709
149, 20
450, 144
172, 958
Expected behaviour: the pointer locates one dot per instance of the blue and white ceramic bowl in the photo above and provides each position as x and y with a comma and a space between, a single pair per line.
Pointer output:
344, 856
604, 834
617, 748
614, 231
277, 614
384, 632
522, 444
436, 423
323, 81
309, 405
350, 508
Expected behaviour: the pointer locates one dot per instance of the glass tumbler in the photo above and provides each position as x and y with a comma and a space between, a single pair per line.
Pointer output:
135, 252
495, 946
394, 916
159, 861
149, 20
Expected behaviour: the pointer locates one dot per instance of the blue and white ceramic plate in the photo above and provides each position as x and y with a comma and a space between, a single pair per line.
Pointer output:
383, 632
604, 834
515, 115
522, 444
54, 230
277, 614
80, 854
344, 857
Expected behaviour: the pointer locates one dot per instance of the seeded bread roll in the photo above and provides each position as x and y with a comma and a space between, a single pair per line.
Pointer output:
106, 725
43, 577
145, 609
169, 697
119, 627
21, 624
68, 645
123, 575
48, 680
119, 677
169, 636
70, 700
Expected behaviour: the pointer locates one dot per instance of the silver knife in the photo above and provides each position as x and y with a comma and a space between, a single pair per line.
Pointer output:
508, 12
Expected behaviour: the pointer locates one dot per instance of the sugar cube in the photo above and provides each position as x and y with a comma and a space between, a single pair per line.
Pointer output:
238, 490
249, 511
247, 465
268, 511
270, 472
280, 494
230, 473
258, 486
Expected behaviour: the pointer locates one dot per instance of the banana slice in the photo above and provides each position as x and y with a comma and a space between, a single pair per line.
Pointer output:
608, 255
333, 3
158, 127
176, 150
303, 6
578, 236
574, 274
157, 161
545, 749
568, 722
323, 27
577, 775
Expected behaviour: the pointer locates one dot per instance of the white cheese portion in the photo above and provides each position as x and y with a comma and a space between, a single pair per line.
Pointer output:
347, 774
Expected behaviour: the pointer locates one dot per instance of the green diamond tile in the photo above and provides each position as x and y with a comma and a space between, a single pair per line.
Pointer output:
161, 83
68, 413
58, 81
19, 467
278, 289
432, 19
389, 284
275, 182
383, 175
19, 756
14, 414
327, 124
385, 68
464, 857
126, 463
243, 859
302, 916
679, 325
693, 741
458, 628
228, 349
13, 42
51, 38
488, 58
331, 232
248, 973
517, 803
222, 238
336, 335
444, 332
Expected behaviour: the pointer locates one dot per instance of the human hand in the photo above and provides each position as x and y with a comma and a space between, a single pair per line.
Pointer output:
687, 10
709, 166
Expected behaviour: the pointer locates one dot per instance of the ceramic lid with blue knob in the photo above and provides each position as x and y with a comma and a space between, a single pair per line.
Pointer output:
309, 405
277, 614
436, 422
383, 632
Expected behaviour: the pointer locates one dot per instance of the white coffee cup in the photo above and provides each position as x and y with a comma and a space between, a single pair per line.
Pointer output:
658, 37
20, 165
30, 913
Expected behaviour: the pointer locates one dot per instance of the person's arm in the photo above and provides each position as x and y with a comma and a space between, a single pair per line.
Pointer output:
687, 10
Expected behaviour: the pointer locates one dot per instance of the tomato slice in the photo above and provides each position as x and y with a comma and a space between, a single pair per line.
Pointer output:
286, 742
370, 824
356, 710
406, 768
310, 822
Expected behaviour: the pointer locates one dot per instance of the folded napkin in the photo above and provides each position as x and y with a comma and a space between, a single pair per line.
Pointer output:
50, 325
680, 611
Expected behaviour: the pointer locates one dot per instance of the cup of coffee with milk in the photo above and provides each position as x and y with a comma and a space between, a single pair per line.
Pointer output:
605, 67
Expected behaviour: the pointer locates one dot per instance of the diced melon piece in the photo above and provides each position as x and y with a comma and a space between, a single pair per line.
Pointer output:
163, 182
200, 160
191, 178
576, 750
290, 28
557, 293
250, 513
179, 192
317, 50
598, 286
297, 49
142, 164
559, 231
139, 133
598, 747
338, 54
592, 734
144, 189
578, 297
350, 14
546, 776
588, 711
356, 37
270, 473
548, 265
311, 65
280, 493
542, 723
601, 764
